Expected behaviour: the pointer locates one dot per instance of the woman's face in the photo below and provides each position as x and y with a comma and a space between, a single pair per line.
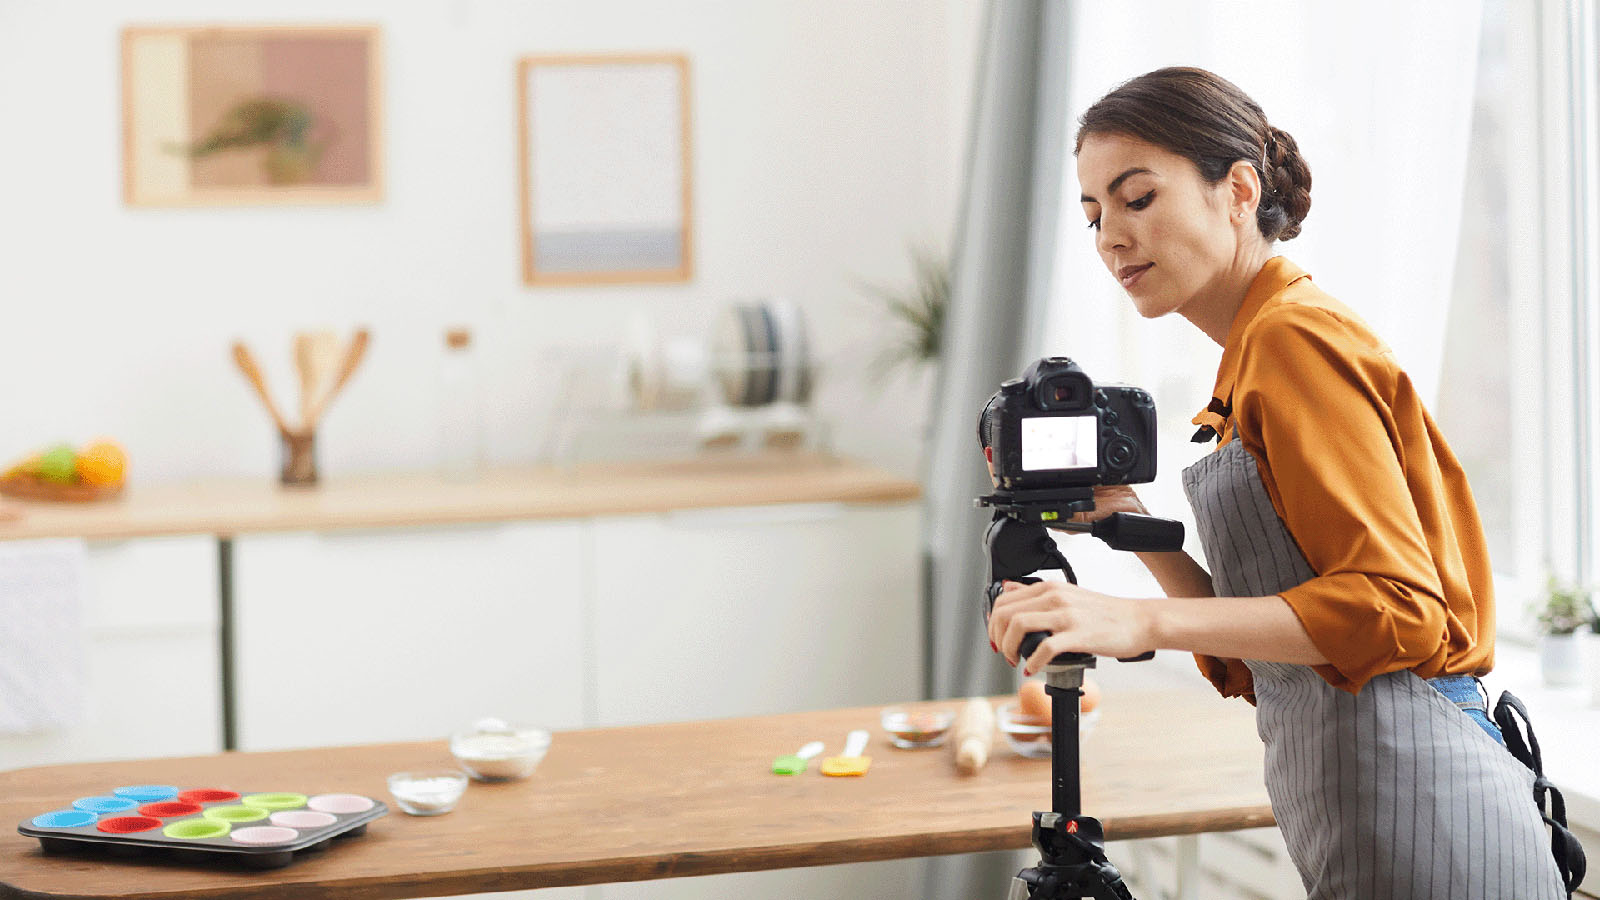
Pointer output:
1163, 232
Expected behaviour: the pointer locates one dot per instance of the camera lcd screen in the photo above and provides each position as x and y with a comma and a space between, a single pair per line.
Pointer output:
1060, 442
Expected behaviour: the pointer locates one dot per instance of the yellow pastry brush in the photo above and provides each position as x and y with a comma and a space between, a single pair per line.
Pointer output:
850, 762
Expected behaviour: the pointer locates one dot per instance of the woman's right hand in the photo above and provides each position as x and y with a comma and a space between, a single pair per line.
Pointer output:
1111, 498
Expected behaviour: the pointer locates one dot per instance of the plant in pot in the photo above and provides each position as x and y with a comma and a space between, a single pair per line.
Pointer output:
1564, 610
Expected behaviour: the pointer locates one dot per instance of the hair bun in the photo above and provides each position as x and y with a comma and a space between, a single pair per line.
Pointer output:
1287, 197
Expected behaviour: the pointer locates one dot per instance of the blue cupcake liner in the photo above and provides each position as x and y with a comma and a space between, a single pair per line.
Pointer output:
65, 818
146, 793
104, 804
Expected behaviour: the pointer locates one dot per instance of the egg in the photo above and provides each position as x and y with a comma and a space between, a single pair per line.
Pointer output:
1034, 703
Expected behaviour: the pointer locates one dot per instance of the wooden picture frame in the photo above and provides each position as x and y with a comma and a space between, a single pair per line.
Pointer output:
252, 115
605, 168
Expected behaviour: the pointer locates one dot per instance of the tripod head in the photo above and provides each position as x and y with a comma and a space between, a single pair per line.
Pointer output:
1072, 859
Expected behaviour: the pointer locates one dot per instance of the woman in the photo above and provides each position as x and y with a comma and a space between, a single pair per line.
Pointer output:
1349, 596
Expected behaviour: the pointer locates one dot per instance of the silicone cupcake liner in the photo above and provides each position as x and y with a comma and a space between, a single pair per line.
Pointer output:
265, 834
196, 829
303, 818
236, 814
146, 793
170, 809
207, 795
64, 818
340, 803
100, 805
274, 801
127, 824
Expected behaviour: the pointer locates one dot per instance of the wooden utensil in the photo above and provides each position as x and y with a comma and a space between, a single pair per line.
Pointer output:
972, 736
353, 355
316, 355
247, 364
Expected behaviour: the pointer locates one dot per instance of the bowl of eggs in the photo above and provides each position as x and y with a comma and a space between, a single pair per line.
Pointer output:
1027, 721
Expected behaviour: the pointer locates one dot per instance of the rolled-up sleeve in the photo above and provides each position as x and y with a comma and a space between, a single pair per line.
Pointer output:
1313, 407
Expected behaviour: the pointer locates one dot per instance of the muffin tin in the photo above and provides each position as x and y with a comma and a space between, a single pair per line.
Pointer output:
263, 830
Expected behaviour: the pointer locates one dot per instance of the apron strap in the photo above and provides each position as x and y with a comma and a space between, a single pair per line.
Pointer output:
1564, 845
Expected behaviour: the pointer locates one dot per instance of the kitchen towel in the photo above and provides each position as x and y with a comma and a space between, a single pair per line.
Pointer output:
43, 638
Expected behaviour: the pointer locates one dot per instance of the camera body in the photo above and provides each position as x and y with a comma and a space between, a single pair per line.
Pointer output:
1055, 429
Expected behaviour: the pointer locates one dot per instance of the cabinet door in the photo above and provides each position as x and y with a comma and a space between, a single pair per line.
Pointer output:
756, 610
152, 668
406, 634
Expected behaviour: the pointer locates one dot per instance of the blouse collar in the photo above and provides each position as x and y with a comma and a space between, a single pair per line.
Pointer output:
1275, 276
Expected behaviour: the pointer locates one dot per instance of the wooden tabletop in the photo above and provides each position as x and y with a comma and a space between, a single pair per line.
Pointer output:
240, 506
661, 801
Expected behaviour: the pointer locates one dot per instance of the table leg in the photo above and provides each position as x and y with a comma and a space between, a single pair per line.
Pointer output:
230, 737
1188, 859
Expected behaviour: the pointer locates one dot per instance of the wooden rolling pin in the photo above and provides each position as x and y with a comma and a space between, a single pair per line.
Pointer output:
972, 736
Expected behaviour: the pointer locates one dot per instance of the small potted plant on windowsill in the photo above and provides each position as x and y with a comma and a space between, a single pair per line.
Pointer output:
1564, 610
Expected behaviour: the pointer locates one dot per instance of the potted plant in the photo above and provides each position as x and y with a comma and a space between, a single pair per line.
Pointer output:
1564, 610
918, 313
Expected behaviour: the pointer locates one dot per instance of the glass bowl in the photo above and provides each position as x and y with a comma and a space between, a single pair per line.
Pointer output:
910, 729
427, 793
1027, 735
492, 750
1030, 736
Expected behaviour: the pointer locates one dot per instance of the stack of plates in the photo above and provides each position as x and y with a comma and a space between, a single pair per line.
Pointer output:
761, 354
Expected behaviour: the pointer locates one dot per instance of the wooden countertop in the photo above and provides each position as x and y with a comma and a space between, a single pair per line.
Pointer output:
237, 506
670, 800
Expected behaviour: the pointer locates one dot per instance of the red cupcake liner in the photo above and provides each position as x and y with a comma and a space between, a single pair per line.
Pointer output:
169, 809
207, 795
128, 824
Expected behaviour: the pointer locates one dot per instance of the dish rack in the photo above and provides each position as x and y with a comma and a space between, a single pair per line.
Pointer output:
746, 388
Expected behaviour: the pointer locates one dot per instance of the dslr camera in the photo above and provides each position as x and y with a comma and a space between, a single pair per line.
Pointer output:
1055, 434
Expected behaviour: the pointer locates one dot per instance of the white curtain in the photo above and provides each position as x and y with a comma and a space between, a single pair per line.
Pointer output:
1379, 98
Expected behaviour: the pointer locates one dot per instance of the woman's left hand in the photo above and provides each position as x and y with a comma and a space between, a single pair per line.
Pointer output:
1080, 621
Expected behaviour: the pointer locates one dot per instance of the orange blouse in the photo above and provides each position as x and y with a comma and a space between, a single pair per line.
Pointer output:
1362, 478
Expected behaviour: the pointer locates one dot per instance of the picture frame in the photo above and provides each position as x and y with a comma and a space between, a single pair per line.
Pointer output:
605, 168
229, 115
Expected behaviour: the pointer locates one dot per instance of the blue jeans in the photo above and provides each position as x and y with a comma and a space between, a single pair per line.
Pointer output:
1462, 690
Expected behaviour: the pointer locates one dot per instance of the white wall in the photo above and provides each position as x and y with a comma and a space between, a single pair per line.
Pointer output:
827, 137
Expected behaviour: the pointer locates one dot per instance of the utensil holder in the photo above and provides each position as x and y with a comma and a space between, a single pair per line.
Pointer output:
299, 458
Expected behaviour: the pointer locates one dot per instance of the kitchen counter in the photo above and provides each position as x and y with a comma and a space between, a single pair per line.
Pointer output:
663, 801
239, 506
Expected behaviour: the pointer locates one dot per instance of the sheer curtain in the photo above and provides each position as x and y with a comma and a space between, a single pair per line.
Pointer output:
1379, 98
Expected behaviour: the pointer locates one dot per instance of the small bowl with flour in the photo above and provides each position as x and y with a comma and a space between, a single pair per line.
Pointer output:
494, 750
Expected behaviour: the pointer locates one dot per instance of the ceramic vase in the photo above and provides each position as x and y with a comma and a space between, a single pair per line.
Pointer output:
1561, 659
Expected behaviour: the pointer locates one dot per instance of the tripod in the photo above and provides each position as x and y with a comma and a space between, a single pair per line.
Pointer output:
1072, 859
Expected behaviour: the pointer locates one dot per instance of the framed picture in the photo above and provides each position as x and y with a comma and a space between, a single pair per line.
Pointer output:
605, 158
251, 115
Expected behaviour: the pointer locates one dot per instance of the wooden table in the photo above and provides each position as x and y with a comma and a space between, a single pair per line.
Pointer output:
234, 506
661, 801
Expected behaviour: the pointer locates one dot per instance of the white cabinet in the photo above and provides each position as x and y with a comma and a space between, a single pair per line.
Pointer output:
406, 633
153, 673
755, 610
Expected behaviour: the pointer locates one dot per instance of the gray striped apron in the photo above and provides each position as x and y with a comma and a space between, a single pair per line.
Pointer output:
1392, 792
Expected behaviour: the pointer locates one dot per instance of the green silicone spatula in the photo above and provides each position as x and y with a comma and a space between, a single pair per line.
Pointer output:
796, 763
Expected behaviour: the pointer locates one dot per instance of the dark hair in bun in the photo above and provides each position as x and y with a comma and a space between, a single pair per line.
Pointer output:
1206, 119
